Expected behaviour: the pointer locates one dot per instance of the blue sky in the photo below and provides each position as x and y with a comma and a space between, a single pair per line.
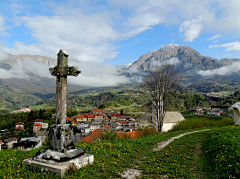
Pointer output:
118, 31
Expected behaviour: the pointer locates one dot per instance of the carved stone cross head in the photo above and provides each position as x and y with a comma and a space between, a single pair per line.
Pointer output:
61, 71
62, 68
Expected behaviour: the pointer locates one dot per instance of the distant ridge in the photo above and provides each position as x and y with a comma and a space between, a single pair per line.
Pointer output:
187, 60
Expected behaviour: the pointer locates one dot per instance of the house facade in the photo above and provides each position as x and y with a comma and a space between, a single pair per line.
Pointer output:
40, 121
80, 118
98, 117
37, 127
115, 117
8, 143
19, 126
1, 143
94, 125
171, 118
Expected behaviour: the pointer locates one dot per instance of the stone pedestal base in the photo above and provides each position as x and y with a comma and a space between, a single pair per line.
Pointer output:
61, 137
57, 158
61, 167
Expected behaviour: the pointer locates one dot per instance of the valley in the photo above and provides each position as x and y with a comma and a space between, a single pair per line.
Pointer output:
37, 90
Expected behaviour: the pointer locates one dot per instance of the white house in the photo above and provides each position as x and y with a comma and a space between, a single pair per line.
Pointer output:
1, 143
94, 125
171, 118
8, 143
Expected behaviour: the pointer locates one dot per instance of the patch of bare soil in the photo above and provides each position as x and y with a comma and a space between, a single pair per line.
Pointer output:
131, 173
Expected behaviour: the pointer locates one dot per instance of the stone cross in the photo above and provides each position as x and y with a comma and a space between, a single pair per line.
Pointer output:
61, 71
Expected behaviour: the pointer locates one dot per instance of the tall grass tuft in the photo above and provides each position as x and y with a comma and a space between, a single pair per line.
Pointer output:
146, 131
109, 135
199, 122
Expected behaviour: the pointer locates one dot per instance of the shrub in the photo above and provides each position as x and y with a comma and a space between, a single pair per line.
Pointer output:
199, 122
109, 135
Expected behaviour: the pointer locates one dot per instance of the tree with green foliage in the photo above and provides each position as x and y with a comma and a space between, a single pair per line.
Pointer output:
121, 112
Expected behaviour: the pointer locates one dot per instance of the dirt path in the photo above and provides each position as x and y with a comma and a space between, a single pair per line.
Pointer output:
163, 144
133, 173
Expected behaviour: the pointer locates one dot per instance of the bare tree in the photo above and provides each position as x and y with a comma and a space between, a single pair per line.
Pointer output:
157, 87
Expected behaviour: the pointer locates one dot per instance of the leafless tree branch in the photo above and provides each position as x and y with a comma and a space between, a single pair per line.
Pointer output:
157, 86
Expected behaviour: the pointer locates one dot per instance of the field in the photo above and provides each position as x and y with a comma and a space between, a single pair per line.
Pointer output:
210, 154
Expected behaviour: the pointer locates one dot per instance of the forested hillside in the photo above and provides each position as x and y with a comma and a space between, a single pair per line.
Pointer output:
214, 85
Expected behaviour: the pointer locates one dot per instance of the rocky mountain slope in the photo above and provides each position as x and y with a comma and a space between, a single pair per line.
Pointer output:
186, 59
37, 58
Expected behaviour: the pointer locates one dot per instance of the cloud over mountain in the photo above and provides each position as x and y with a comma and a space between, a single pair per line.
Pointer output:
90, 31
225, 70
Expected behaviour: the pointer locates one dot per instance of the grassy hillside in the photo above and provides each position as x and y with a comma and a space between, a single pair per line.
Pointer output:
209, 154
22, 93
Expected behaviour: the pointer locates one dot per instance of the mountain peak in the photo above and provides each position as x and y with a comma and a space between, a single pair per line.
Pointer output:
170, 47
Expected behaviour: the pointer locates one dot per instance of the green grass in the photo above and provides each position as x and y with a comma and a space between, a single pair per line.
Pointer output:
194, 122
210, 154
38, 107
222, 150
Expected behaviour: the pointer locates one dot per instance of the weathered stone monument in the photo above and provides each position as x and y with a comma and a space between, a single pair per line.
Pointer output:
236, 107
61, 151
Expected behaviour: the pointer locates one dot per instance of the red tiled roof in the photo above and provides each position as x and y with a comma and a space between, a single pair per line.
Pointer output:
104, 111
107, 117
19, 127
107, 126
0, 141
97, 110
19, 123
15, 138
91, 116
125, 121
90, 138
81, 116
74, 121
68, 118
125, 117
37, 124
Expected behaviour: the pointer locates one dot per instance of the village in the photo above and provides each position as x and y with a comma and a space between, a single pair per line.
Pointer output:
86, 127
208, 111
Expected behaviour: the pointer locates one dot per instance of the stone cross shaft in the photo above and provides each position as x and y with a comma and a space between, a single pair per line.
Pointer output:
61, 71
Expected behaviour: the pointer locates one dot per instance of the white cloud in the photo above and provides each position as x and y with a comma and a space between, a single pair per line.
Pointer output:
92, 73
173, 61
87, 38
88, 30
226, 70
215, 41
17, 71
231, 46
5, 34
95, 74
191, 29
4, 56
214, 37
